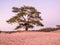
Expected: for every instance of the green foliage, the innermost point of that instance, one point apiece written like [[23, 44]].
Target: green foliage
[[26, 16]]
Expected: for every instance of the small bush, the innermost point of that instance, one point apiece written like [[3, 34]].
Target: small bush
[[58, 27], [49, 29]]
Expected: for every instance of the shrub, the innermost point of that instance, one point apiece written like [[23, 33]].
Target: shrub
[[58, 26], [49, 29]]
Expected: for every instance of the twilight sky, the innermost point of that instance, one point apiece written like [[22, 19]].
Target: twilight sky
[[50, 11]]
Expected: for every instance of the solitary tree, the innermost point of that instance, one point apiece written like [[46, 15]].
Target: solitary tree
[[26, 17]]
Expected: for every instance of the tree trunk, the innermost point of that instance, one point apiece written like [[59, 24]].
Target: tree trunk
[[26, 28]]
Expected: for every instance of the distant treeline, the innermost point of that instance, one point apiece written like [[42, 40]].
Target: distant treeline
[[47, 29]]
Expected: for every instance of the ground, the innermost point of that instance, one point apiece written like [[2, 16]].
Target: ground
[[30, 38]]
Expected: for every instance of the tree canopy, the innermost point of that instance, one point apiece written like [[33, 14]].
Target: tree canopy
[[26, 16]]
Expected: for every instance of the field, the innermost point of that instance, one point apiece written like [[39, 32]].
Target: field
[[30, 38]]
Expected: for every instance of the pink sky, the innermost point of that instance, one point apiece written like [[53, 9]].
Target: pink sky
[[50, 10]]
